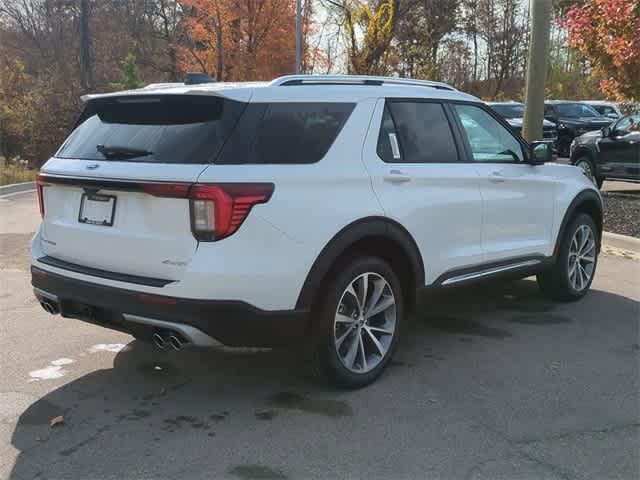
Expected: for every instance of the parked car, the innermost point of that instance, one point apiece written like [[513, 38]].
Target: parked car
[[613, 152], [609, 109], [513, 113], [572, 119], [311, 210]]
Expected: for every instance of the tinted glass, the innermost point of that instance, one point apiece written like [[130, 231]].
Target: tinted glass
[[277, 133], [388, 146], [626, 125], [162, 129], [423, 134], [604, 109], [489, 140], [576, 110], [509, 111]]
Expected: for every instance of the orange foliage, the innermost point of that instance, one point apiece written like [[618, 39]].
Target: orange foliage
[[234, 40]]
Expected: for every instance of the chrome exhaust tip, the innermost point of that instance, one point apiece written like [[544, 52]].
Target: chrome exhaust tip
[[175, 342], [49, 307], [159, 341]]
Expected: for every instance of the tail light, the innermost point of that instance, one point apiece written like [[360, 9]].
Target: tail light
[[217, 211], [40, 181]]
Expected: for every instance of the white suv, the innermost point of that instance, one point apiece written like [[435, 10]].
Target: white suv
[[310, 207]]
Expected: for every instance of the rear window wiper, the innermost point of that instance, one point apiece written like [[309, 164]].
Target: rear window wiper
[[113, 152]]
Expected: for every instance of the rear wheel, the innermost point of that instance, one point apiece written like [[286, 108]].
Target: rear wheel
[[575, 266], [357, 324]]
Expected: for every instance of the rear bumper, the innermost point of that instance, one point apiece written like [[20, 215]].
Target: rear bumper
[[203, 322]]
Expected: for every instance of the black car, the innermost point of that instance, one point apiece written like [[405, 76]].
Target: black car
[[573, 119], [513, 113], [613, 152]]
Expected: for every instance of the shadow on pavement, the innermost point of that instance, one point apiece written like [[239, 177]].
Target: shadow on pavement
[[152, 412]]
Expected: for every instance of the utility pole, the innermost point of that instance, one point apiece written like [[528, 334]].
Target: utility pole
[[298, 36], [86, 60], [537, 69]]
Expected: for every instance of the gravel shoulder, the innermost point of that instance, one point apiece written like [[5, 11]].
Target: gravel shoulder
[[622, 213]]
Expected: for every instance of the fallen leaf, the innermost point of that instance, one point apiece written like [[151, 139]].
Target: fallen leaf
[[56, 420]]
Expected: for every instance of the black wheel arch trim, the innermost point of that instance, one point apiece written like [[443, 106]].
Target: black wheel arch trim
[[583, 198], [362, 229]]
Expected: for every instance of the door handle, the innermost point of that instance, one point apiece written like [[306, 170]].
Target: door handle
[[396, 176], [496, 177]]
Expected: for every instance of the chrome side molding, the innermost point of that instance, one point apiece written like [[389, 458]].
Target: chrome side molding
[[490, 271]]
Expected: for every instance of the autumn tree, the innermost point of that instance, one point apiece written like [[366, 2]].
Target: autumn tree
[[129, 77], [239, 39], [607, 33], [368, 29]]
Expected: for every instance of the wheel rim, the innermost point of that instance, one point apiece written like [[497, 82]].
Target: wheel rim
[[365, 322], [582, 258], [586, 168]]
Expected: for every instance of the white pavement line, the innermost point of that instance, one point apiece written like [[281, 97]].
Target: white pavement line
[[109, 347], [623, 242]]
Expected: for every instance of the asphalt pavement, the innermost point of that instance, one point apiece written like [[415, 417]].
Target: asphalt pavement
[[491, 382]]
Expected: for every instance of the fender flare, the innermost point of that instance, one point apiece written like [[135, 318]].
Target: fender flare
[[365, 228], [586, 197]]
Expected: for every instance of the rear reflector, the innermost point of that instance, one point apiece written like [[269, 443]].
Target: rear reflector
[[157, 299], [40, 180]]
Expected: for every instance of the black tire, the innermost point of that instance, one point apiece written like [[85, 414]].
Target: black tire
[[586, 164], [563, 146], [326, 360], [555, 282]]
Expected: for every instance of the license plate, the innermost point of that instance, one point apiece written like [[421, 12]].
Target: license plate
[[97, 209]]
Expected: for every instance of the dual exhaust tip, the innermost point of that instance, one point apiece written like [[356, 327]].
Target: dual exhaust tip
[[164, 340], [50, 306]]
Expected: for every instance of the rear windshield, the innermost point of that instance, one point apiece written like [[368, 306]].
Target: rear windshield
[[160, 129], [285, 132]]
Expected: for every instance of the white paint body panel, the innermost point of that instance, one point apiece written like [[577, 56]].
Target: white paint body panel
[[455, 215]]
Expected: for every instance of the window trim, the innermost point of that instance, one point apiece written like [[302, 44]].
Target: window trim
[[460, 154], [465, 141]]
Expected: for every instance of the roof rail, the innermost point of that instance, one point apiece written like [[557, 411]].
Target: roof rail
[[289, 80]]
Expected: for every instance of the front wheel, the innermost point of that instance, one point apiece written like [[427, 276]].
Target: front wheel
[[587, 167], [357, 324], [571, 275]]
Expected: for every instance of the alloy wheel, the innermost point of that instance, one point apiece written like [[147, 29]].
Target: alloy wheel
[[582, 257], [365, 322], [587, 170]]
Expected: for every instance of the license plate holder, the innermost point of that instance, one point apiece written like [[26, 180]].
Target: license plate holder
[[97, 209]]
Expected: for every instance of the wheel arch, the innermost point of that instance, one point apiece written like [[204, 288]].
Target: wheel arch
[[589, 202], [379, 236], [591, 155]]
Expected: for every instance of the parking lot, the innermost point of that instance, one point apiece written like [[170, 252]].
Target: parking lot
[[490, 382]]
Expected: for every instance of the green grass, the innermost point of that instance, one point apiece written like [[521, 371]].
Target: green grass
[[14, 173]]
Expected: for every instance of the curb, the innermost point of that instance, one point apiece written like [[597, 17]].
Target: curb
[[623, 242], [17, 187]]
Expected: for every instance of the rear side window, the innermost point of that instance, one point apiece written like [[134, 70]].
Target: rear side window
[[416, 132], [156, 129], [285, 133]]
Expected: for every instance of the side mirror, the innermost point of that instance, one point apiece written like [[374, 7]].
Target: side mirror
[[540, 152], [606, 132]]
